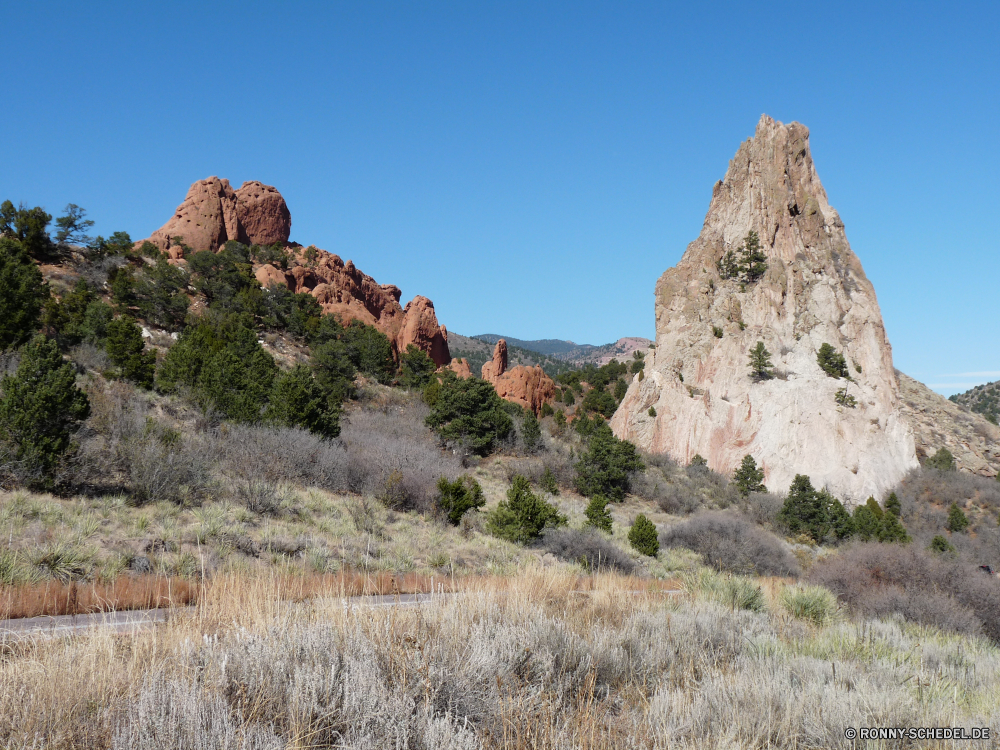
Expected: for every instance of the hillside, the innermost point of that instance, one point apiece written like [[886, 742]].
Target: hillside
[[983, 399], [478, 351]]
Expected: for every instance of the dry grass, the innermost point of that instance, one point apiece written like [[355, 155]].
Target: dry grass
[[527, 662], [74, 598]]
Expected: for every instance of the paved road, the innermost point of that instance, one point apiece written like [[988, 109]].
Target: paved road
[[140, 619]]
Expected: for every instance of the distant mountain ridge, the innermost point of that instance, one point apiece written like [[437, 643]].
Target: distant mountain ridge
[[577, 354]]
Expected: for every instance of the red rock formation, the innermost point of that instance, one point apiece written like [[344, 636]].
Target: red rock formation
[[460, 367], [262, 214], [528, 386], [213, 213], [498, 365]]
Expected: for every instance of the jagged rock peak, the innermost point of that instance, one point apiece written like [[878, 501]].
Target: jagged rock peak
[[813, 291]]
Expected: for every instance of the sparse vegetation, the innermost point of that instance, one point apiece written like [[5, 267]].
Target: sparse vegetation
[[761, 367]]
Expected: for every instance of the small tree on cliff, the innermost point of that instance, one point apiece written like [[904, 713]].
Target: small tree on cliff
[[760, 362], [753, 262]]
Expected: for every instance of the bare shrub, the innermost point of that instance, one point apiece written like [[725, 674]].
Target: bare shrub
[[87, 356], [588, 547], [729, 542], [877, 580], [671, 497], [173, 714], [392, 454], [762, 508]]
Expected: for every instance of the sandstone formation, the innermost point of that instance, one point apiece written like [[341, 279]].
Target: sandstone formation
[[497, 366], [460, 367], [213, 213], [814, 291], [528, 386], [938, 423]]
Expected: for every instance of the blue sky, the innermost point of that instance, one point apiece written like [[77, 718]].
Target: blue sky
[[532, 167]]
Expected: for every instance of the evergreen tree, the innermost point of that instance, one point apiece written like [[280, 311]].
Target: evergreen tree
[[470, 410], [892, 505], [126, 349], [22, 294], [760, 362], [73, 226], [748, 478], [531, 432], [458, 497], [598, 514], [831, 362], [804, 510], [841, 523], [40, 409], [297, 400], [728, 265], [941, 545], [892, 530], [957, 520], [28, 227], [642, 536], [941, 461], [549, 483], [868, 521], [753, 262], [605, 468], [523, 516], [416, 368]]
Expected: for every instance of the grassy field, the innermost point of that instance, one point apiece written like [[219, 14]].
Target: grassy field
[[518, 662]]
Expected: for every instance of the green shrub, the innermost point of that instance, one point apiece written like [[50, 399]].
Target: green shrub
[[600, 401], [464, 494], [717, 332], [652, 411], [813, 604], [605, 468], [22, 294], [957, 520], [621, 388], [548, 482], [843, 398], [568, 398], [523, 515], [416, 368], [531, 432], [547, 410], [942, 461], [470, 410], [733, 591], [40, 409], [815, 513], [298, 400], [748, 478], [126, 349], [760, 362], [831, 362], [598, 514], [871, 523], [642, 536], [892, 505], [941, 545]]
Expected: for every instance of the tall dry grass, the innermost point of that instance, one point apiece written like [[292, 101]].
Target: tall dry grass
[[529, 662]]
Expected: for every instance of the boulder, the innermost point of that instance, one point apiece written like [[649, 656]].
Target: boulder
[[267, 275], [460, 367], [262, 214], [814, 291]]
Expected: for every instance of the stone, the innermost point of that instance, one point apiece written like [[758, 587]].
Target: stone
[[420, 327], [938, 423], [814, 291], [497, 366], [267, 275], [460, 367], [262, 214], [213, 213], [527, 386]]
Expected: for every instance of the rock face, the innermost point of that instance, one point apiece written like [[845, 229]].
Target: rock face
[[528, 386], [460, 367], [213, 213], [814, 291], [939, 423]]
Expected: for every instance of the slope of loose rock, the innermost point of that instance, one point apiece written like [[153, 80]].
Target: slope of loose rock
[[813, 292], [939, 423]]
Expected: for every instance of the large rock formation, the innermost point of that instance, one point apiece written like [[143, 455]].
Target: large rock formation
[[528, 386], [814, 291], [213, 213]]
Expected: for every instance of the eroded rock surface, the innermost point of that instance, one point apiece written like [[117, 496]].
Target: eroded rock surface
[[497, 366], [814, 291], [528, 386]]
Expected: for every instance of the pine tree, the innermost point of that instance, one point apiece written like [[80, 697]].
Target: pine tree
[[22, 294], [642, 536], [892, 505], [598, 514], [126, 349], [297, 400], [523, 515], [957, 520], [748, 478], [943, 460], [760, 362], [40, 410], [841, 523], [753, 262], [804, 511], [831, 362], [728, 265], [456, 498]]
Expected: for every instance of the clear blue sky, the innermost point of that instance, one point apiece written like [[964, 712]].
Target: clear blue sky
[[532, 167]]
